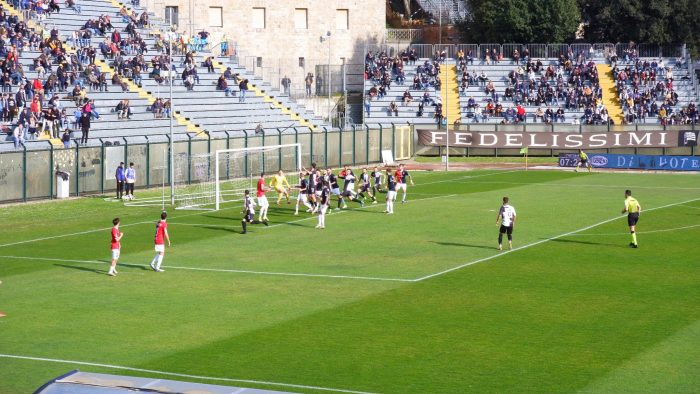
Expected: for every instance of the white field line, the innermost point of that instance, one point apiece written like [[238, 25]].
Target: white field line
[[252, 272], [690, 206], [543, 241], [666, 230], [180, 375], [213, 269]]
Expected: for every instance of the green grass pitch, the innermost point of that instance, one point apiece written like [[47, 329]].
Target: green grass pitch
[[417, 302]]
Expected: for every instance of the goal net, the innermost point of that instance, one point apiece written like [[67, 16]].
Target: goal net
[[207, 181]]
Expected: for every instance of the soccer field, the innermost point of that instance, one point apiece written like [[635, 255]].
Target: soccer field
[[416, 302]]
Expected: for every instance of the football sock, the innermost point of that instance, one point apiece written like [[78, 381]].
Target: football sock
[[634, 237], [244, 224], [340, 201], [510, 237], [155, 259], [500, 239], [160, 261]]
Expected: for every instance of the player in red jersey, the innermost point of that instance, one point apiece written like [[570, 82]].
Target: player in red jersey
[[262, 199], [116, 247], [161, 236]]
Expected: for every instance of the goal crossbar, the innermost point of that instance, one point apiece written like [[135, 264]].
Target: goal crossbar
[[255, 149]]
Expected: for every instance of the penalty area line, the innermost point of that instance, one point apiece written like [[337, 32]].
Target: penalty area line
[[485, 259], [180, 375]]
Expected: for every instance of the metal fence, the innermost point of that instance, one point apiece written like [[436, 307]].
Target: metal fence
[[31, 174], [535, 50]]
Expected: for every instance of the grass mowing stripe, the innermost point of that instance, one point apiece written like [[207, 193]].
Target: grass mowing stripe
[[215, 269], [665, 230], [94, 230], [579, 185], [544, 240], [299, 386]]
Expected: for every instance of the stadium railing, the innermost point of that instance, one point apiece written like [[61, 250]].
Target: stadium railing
[[29, 173]]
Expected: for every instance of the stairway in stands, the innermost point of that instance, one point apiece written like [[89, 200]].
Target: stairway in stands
[[449, 91], [610, 95]]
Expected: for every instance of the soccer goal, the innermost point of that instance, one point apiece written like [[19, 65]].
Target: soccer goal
[[207, 181]]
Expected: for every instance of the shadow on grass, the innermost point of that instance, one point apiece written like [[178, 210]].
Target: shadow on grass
[[571, 241], [463, 245], [86, 269]]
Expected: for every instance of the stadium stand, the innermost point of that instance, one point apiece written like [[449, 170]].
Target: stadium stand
[[575, 88], [109, 51]]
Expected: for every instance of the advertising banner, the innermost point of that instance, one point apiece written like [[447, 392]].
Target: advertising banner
[[544, 140], [644, 162]]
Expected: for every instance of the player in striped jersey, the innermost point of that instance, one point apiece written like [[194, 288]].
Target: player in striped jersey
[[302, 197], [376, 175], [506, 215], [324, 202], [249, 212], [365, 186], [348, 187], [401, 176]]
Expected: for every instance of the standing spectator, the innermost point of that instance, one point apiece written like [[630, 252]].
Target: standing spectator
[[243, 87], [286, 82], [368, 104], [309, 81], [130, 176], [85, 127], [120, 177]]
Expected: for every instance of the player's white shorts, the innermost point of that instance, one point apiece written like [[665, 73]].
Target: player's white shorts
[[391, 195], [401, 186], [262, 202], [160, 248], [115, 254], [335, 191], [318, 193], [303, 197]]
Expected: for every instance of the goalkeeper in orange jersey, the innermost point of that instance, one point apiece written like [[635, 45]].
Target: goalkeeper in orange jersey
[[281, 186]]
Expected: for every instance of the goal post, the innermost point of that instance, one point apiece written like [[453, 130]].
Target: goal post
[[234, 165]]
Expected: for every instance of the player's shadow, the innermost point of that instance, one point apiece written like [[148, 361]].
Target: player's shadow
[[229, 229], [462, 245], [573, 241], [86, 269]]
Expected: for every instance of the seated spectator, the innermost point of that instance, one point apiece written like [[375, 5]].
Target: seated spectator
[[209, 64], [393, 108], [539, 114], [157, 108], [407, 98], [420, 110], [222, 84], [123, 110]]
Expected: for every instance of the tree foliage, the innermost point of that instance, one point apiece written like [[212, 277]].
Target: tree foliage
[[524, 21], [660, 22]]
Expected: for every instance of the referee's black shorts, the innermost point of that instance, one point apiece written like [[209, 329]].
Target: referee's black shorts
[[632, 218], [507, 229]]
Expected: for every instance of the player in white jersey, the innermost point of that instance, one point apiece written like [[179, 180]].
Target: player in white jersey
[[390, 192], [506, 216], [323, 201], [348, 188]]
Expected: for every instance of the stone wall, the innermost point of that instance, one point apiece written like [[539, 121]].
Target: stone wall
[[281, 43]]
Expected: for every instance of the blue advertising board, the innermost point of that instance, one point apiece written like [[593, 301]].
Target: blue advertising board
[[644, 162]]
